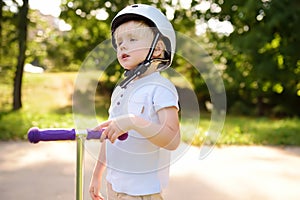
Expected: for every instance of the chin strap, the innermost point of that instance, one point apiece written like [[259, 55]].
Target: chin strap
[[142, 67]]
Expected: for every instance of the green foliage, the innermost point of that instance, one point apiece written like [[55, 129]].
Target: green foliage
[[49, 106], [259, 60], [241, 130], [14, 125], [8, 39], [46, 105], [6, 91], [260, 54], [263, 131]]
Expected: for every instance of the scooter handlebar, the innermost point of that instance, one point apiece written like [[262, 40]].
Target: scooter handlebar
[[36, 135]]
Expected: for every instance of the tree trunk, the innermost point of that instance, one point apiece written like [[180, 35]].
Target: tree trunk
[[260, 106], [22, 37], [1, 38]]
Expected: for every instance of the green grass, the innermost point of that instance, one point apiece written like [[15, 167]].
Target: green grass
[[264, 131], [47, 103], [242, 130]]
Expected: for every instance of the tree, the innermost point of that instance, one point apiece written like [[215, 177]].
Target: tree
[[262, 64], [8, 24], [1, 19], [22, 38]]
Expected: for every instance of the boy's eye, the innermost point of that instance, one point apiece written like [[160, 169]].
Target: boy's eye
[[119, 43], [132, 39]]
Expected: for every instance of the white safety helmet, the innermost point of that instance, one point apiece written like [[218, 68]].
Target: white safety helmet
[[152, 17]]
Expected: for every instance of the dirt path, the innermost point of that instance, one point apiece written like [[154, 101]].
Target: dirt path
[[46, 171]]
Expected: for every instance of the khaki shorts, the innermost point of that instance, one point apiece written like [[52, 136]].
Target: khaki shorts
[[112, 195]]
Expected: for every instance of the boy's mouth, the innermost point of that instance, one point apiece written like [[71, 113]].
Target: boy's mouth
[[124, 55]]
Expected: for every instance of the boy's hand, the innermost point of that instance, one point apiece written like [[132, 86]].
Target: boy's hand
[[95, 191], [115, 127]]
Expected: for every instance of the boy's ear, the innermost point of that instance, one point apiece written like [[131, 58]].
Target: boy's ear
[[159, 49]]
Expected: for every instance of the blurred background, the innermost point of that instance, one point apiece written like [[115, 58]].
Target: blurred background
[[253, 44]]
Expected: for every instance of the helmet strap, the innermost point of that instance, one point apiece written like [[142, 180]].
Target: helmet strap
[[143, 66]]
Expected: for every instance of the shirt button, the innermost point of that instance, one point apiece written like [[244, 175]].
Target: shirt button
[[121, 95], [118, 103]]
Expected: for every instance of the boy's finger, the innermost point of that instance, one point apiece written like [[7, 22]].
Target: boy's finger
[[95, 195], [114, 137], [103, 136], [102, 125]]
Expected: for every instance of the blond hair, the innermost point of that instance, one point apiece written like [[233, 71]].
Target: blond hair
[[143, 30]]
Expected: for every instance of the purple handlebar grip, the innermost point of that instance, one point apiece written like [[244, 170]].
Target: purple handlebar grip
[[97, 134], [123, 137], [36, 135], [91, 134]]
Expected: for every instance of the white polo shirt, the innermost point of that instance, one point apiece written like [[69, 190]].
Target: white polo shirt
[[136, 166]]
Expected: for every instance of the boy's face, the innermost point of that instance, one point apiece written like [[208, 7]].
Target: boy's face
[[133, 41]]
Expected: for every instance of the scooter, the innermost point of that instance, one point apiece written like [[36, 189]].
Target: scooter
[[36, 135]]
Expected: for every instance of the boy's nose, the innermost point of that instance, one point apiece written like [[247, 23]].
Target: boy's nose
[[123, 46]]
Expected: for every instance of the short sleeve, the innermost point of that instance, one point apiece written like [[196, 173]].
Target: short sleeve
[[165, 96]]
